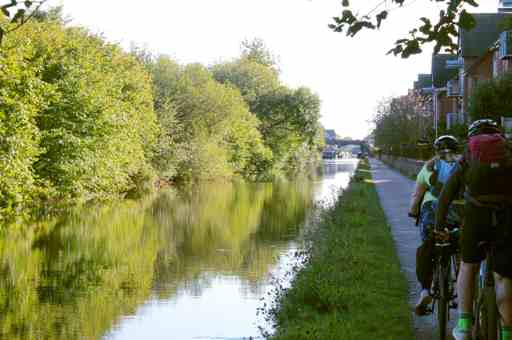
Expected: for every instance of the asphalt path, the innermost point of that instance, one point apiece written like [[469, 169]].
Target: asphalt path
[[395, 191]]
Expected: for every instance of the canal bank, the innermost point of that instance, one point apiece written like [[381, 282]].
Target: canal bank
[[351, 286]]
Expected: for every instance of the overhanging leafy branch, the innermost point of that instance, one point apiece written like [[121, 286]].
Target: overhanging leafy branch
[[441, 33], [15, 12]]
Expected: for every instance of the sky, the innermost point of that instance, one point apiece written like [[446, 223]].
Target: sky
[[350, 75]]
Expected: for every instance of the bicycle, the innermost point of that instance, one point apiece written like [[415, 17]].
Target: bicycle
[[446, 269], [487, 321]]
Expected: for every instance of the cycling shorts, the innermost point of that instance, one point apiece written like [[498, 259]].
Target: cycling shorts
[[427, 219], [428, 216], [478, 228]]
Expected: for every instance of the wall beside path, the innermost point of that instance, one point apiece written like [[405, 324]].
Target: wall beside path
[[407, 166]]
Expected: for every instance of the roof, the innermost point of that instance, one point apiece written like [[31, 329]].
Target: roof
[[424, 81], [440, 74], [475, 42]]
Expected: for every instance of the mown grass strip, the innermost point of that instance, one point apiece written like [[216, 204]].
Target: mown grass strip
[[351, 286]]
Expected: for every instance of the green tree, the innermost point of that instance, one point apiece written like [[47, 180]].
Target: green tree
[[400, 123], [289, 118], [256, 50], [170, 148], [253, 79], [213, 116], [442, 32], [22, 94], [491, 99], [207, 129], [98, 131], [76, 118]]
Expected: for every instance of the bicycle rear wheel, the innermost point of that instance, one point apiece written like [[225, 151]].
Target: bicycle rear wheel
[[487, 315], [444, 301]]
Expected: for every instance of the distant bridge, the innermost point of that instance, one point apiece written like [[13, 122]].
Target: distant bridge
[[344, 142], [340, 148]]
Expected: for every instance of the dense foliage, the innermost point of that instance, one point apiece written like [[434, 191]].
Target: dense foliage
[[77, 118], [15, 13], [404, 126], [81, 120], [289, 117], [402, 122], [212, 132], [492, 99]]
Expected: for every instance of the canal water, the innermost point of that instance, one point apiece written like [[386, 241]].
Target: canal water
[[179, 265]]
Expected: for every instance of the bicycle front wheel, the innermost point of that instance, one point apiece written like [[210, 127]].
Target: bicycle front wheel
[[444, 301]]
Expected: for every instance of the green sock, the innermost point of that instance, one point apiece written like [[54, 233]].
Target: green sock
[[506, 333], [465, 321]]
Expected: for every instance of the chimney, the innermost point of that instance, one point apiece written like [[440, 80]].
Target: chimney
[[505, 6]]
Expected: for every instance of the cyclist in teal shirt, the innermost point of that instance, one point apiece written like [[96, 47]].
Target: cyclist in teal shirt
[[429, 183]]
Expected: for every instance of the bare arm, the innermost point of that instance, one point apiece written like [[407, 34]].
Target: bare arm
[[420, 189], [417, 198]]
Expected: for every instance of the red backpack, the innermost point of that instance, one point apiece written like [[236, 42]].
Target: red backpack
[[489, 168]]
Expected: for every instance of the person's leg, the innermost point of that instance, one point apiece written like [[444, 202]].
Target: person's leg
[[466, 285], [424, 273], [504, 302], [472, 234], [424, 264], [502, 268], [424, 258]]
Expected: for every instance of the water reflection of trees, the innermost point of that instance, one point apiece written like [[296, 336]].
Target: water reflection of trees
[[73, 277], [227, 229]]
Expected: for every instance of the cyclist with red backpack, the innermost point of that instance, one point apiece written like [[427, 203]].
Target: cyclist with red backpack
[[429, 183], [484, 173]]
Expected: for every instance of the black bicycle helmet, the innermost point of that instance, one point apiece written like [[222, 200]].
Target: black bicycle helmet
[[446, 142], [483, 126]]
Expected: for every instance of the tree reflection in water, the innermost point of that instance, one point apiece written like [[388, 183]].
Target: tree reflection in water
[[73, 277]]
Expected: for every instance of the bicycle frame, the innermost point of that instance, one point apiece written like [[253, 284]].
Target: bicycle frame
[[485, 276], [446, 267]]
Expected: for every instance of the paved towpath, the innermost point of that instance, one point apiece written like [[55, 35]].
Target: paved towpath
[[394, 192]]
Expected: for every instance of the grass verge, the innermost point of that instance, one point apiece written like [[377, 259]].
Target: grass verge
[[351, 286]]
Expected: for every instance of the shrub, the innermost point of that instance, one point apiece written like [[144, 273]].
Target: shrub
[[76, 118], [22, 95], [97, 131], [492, 99]]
